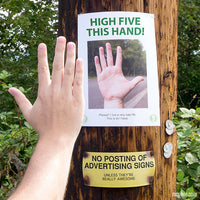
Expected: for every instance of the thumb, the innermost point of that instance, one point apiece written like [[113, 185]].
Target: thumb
[[23, 103], [135, 81]]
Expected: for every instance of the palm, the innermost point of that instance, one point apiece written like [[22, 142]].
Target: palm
[[112, 83]]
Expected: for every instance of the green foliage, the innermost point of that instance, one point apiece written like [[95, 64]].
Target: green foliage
[[24, 24], [187, 123], [189, 53], [133, 56], [17, 141]]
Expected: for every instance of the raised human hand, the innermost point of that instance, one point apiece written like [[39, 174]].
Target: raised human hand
[[57, 116], [111, 80], [58, 110]]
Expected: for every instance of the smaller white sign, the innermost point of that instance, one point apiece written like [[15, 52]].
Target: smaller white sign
[[121, 78]]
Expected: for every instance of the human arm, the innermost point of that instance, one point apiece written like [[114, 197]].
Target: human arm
[[57, 116], [111, 80]]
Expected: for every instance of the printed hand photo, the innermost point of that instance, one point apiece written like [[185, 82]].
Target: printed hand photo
[[119, 79], [112, 83]]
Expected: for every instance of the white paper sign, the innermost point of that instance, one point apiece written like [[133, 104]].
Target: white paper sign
[[120, 69]]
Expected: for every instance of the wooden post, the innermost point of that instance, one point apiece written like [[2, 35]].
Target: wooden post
[[130, 139]]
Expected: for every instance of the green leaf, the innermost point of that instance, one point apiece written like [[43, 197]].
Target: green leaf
[[190, 158], [190, 190], [184, 180], [183, 124], [187, 132], [193, 144], [180, 175], [4, 74], [183, 194], [193, 170], [22, 89], [191, 193], [178, 187], [10, 186], [187, 113], [28, 125], [5, 184]]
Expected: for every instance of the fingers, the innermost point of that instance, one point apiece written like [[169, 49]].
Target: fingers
[[97, 65], [69, 66], [109, 62], [102, 58], [119, 57], [103, 62], [109, 54], [23, 103], [135, 81], [43, 68], [58, 63], [78, 80]]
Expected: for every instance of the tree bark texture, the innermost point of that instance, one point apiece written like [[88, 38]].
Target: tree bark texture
[[130, 139]]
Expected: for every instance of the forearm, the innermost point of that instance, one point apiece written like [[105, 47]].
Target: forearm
[[47, 172]]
